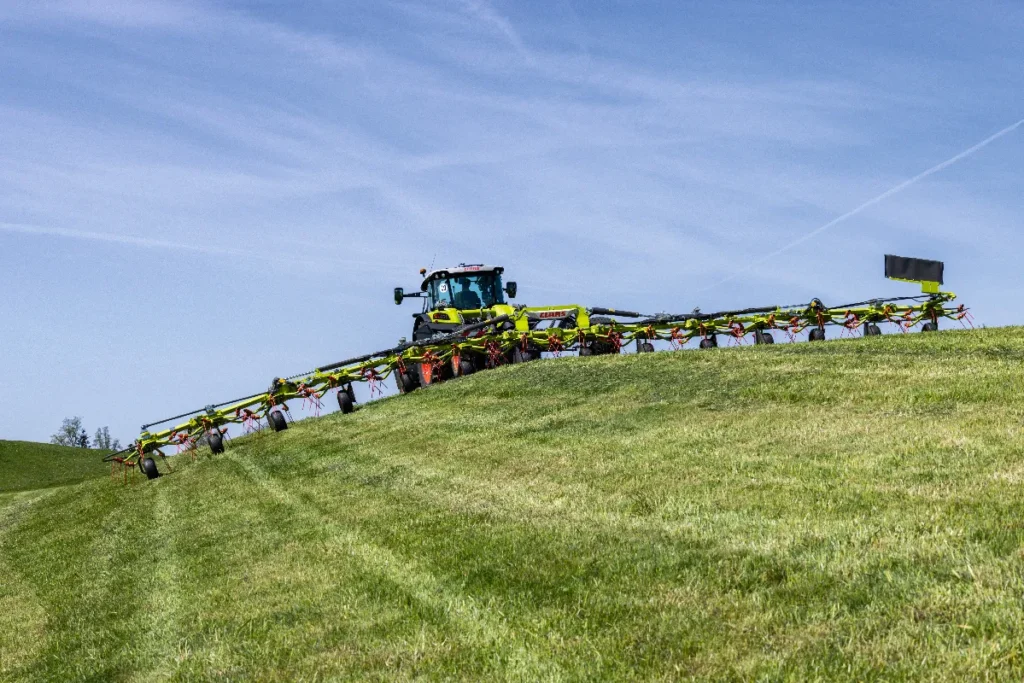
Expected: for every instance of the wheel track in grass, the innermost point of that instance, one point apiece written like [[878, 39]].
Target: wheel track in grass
[[406, 574], [20, 640], [163, 600]]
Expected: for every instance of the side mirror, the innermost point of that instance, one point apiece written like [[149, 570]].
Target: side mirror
[[510, 289], [399, 295]]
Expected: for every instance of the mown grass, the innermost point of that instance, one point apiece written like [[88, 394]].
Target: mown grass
[[842, 511], [25, 465]]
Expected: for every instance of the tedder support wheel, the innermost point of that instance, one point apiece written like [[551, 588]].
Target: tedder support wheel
[[817, 334], [345, 402], [216, 443], [586, 350], [148, 467], [872, 330], [929, 327], [709, 342], [277, 421], [645, 347], [762, 337]]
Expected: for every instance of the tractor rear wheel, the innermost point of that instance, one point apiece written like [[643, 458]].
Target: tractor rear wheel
[[520, 356], [216, 442], [345, 402], [148, 467], [277, 421], [463, 367]]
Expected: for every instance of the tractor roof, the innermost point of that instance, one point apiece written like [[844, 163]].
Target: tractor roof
[[461, 269]]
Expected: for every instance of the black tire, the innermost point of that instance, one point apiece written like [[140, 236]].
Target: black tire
[[350, 391], [872, 330], [603, 349], [406, 381], [520, 356], [645, 347], [277, 421], [817, 334], [345, 402], [763, 337], [586, 350], [929, 327], [148, 467], [216, 442], [464, 367], [709, 342]]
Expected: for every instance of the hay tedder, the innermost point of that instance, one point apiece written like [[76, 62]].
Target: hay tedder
[[466, 326]]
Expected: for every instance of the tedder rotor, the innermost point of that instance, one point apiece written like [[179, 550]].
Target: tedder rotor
[[466, 325]]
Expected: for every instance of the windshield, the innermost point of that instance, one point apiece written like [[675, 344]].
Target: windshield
[[467, 292]]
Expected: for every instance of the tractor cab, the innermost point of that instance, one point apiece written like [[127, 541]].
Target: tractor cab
[[456, 296], [466, 287]]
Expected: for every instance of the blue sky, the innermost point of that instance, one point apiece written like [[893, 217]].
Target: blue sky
[[196, 197]]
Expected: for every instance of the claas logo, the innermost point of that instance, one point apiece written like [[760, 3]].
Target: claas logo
[[553, 314]]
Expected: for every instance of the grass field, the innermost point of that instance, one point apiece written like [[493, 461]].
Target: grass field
[[850, 510], [26, 466]]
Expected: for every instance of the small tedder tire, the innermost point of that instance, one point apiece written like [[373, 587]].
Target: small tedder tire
[[586, 351], [929, 327], [277, 421], [216, 443], [872, 330], [762, 337], [645, 347], [817, 334], [708, 343], [345, 402], [148, 467]]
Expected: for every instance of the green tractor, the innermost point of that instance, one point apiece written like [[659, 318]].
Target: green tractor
[[471, 293]]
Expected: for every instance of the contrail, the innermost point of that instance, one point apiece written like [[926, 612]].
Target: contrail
[[196, 248], [871, 202]]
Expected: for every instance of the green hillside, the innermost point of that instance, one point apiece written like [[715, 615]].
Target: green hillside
[[26, 465], [848, 510]]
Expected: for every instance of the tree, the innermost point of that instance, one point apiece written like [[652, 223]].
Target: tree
[[102, 440], [71, 433]]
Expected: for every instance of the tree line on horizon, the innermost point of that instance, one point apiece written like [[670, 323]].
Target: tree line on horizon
[[73, 433]]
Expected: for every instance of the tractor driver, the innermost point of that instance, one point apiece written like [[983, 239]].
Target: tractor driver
[[466, 299]]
